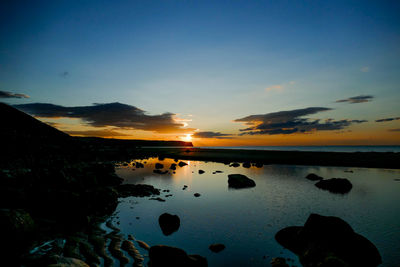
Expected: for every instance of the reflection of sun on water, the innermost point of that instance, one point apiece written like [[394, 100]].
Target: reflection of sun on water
[[187, 138]]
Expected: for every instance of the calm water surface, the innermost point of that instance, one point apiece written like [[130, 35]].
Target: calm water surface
[[246, 220]]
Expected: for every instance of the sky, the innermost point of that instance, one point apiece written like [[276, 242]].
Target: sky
[[218, 73]]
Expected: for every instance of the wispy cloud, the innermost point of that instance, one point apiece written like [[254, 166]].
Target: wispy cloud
[[279, 87], [291, 121], [388, 119], [364, 69], [217, 135], [356, 99], [110, 114], [4, 94]]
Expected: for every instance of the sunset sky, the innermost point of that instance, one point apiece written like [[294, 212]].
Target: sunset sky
[[219, 73]]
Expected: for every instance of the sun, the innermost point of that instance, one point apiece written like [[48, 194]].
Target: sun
[[187, 138]]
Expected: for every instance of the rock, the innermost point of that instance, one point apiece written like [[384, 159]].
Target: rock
[[161, 255], [184, 187], [160, 172], [314, 177], [246, 165], [240, 181], [130, 248], [173, 166], [259, 165], [234, 164], [181, 164], [197, 194], [217, 172], [136, 190], [159, 166], [216, 247], [130, 237], [169, 223], [328, 241], [201, 171], [115, 249], [279, 262], [335, 185], [139, 165], [143, 245]]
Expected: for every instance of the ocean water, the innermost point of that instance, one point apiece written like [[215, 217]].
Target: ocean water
[[246, 220], [315, 148]]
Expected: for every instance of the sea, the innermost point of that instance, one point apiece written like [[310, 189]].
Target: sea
[[312, 148]]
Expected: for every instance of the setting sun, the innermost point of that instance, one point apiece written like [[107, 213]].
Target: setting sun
[[187, 138]]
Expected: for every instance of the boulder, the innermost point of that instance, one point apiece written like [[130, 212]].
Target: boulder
[[161, 255], [139, 165], [201, 171], [169, 223], [216, 247], [173, 166], [314, 177], [234, 164], [240, 181], [335, 185], [328, 241], [197, 194], [159, 166]]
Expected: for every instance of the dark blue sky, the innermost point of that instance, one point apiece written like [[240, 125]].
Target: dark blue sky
[[187, 56]]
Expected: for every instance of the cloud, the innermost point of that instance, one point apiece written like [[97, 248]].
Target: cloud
[[217, 135], [97, 133], [4, 94], [291, 121], [388, 119], [276, 87], [394, 130], [364, 69], [110, 114], [357, 99]]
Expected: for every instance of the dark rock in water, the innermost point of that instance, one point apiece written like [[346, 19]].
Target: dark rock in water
[[328, 241], [397, 180], [216, 247], [279, 262], [143, 245], [159, 166], [240, 181], [201, 171], [181, 164], [197, 194], [158, 199], [136, 190], [139, 165], [173, 166], [234, 164], [335, 185], [160, 255], [169, 223], [259, 165], [246, 165], [350, 171], [314, 177], [217, 172], [160, 172], [184, 187]]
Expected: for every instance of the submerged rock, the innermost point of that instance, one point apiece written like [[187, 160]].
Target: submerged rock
[[136, 190], [169, 223], [314, 177], [161, 255], [328, 241], [240, 181], [181, 164], [335, 185], [216, 247], [160, 172]]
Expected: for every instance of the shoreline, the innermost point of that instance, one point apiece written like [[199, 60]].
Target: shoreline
[[386, 160]]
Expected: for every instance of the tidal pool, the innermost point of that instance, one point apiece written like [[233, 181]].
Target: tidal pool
[[246, 220]]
